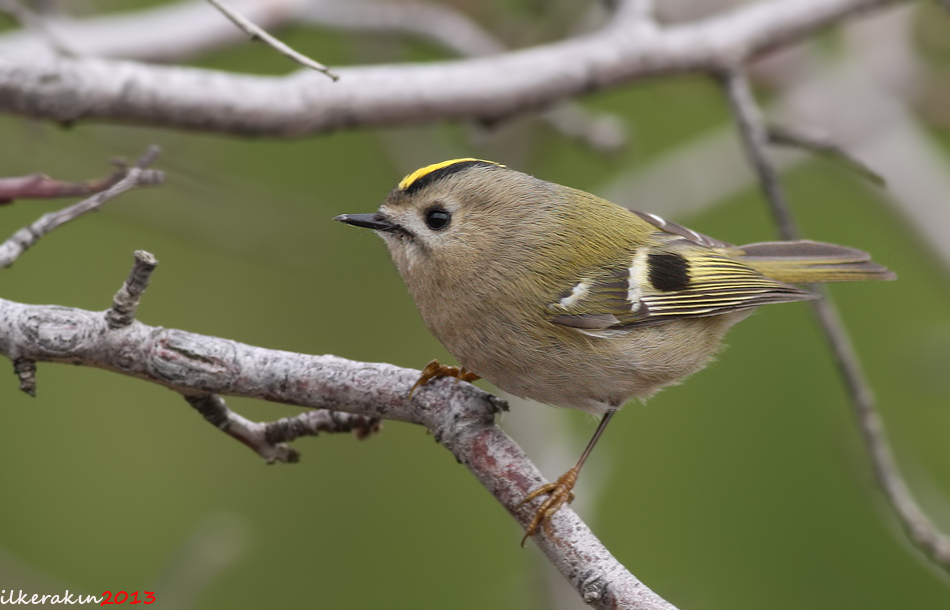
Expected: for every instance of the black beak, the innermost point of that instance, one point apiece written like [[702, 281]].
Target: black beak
[[376, 221]]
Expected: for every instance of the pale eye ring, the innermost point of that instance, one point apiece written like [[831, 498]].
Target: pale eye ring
[[437, 218]]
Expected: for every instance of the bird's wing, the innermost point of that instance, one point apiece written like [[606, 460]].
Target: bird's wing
[[681, 231], [679, 279]]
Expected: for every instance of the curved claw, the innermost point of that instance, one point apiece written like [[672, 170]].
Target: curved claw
[[559, 494], [435, 369]]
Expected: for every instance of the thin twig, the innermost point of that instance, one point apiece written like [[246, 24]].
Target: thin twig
[[460, 416], [755, 140], [451, 29], [783, 136], [481, 89], [269, 439], [41, 186], [213, 408], [255, 32], [314, 422], [126, 300], [919, 527], [18, 243]]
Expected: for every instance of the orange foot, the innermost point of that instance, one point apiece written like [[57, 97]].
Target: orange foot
[[434, 369], [559, 494]]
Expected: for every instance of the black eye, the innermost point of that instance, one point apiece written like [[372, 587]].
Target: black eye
[[437, 218]]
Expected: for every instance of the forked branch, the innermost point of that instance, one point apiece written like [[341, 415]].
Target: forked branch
[[484, 89], [203, 368], [345, 396], [137, 176]]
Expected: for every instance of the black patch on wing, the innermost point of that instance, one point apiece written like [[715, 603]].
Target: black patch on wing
[[669, 271], [442, 172]]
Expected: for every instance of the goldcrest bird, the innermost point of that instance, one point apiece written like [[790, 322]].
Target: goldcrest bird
[[557, 295]]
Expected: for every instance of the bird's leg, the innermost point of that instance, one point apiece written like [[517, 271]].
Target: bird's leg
[[435, 369], [561, 492]]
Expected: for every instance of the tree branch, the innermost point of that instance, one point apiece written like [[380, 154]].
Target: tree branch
[[447, 27], [183, 30], [755, 140], [269, 439], [918, 526], [199, 367], [782, 136], [40, 186], [126, 301], [441, 24], [486, 89], [203, 368], [257, 33], [347, 396], [145, 35], [17, 244], [266, 439]]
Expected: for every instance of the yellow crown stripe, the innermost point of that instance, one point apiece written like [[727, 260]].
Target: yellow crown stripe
[[406, 182]]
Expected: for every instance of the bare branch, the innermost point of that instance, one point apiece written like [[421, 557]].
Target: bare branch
[[40, 186], [164, 33], [203, 368], [755, 140], [126, 301], [825, 147], [921, 530], [882, 131], [452, 30], [156, 35], [17, 244], [441, 24], [214, 409], [919, 527], [269, 439], [257, 33], [312, 423], [183, 30], [460, 416], [487, 89], [148, 157]]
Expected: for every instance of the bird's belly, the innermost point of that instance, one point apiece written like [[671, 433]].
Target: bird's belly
[[592, 373]]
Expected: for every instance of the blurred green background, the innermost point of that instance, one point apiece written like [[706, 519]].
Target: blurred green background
[[745, 488]]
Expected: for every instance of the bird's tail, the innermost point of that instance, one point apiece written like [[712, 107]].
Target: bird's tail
[[805, 262]]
